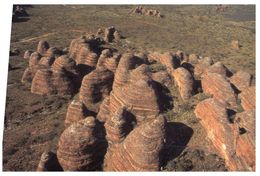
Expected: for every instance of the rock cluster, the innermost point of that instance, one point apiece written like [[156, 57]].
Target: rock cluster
[[109, 34], [235, 45], [147, 12]]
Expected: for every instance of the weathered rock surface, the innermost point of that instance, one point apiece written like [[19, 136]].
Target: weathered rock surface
[[214, 118], [193, 58], [162, 77], [34, 59], [80, 147], [246, 140], [46, 61], [144, 153], [184, 81], [217, 85], [96, 86], [241, 80], [104, 111], [219, 68], [248, 98]]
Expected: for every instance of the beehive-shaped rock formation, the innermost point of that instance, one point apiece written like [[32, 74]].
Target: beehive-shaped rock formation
[[141, 149], [48, 82], [27, 76], [193, 58], [185, 82], [42, 82], [42, 47], [161, 77], [81, 50], [214, 118], [80, 148], [142, 104], [241, 80], [96, 85], [217, 85], [76, 112], [235, 45], [248, 98], [64, 62]]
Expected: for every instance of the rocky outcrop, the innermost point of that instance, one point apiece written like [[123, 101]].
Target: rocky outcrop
[[246, 140], [202, 66], [235, 45], [214, 118], [241, 80], [146, 12], [219, 68], [185, 82], [27, 76], [96, 86], [42, 47], [248, 98], [216, 85], [75, 112], [162, 77], [80, 148], [144, 153]]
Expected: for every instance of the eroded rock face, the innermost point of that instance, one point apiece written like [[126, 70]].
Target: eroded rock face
[[143, 154], [27, 76], [193, 59], [46, 61], [214, 118], [76, 112], [247, 97], [217, 85], [96, 86], [185, 82], [246, 140], [42, 47], [80, 148], [161, 77], [241, 80]]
